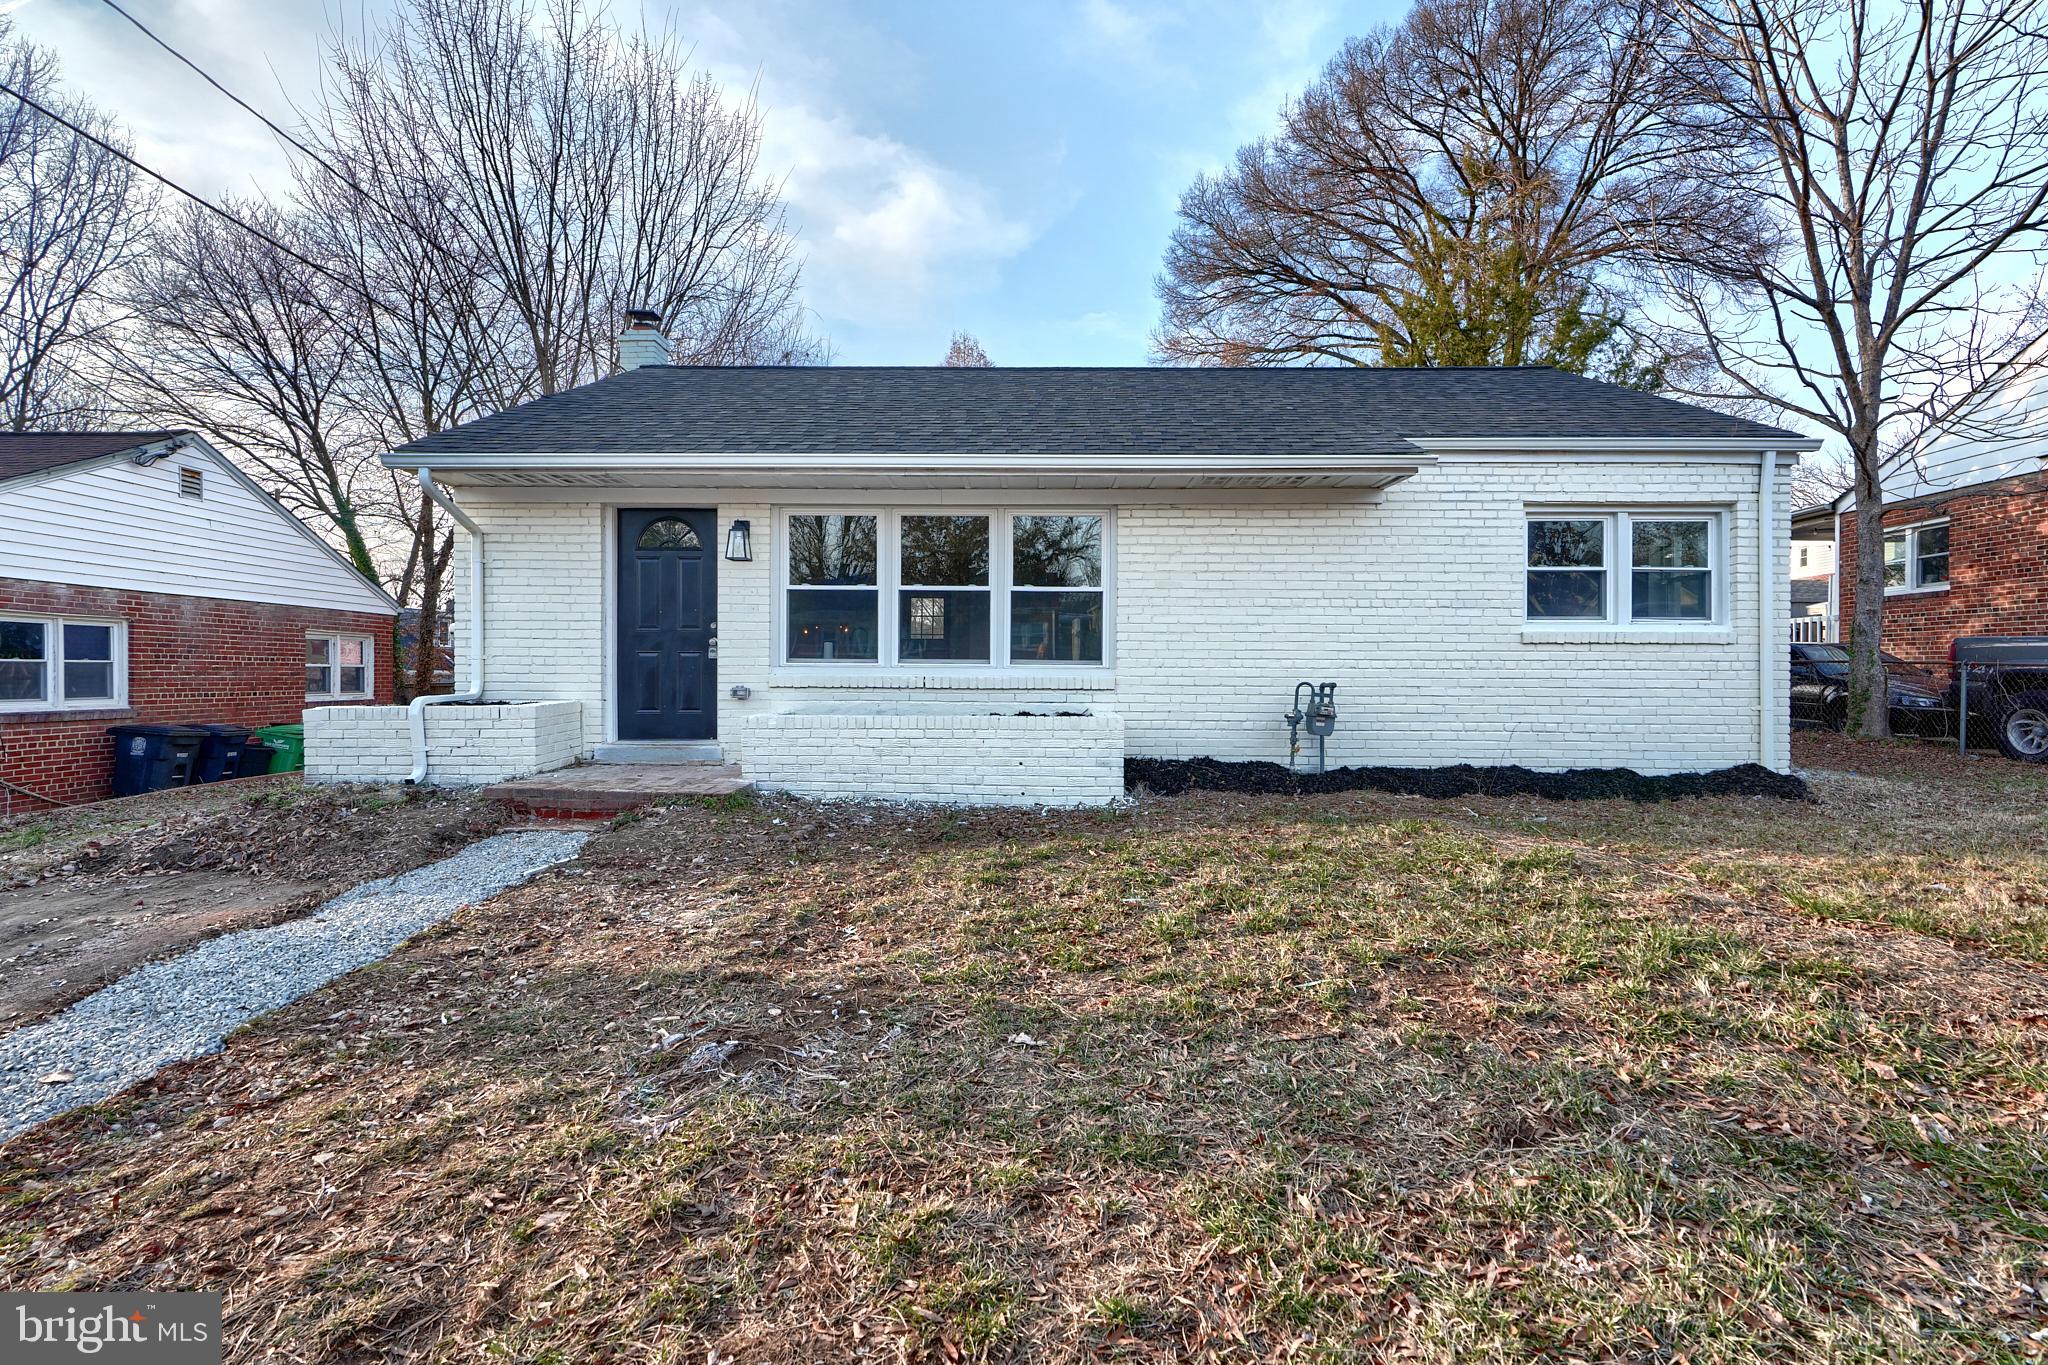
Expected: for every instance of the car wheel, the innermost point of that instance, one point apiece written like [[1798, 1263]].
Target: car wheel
[[1835, 715], [2023, 728]]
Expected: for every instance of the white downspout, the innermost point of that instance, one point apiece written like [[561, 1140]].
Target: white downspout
[[1770, 647], [416, 714]]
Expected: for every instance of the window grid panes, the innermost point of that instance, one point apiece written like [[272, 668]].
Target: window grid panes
[[985, 588], [1642, 567], [53, 662], [943, 572], [338, 667], [24, 661], [832, 598], [1672, 569], [1056, 596], [1916, 557], [1567, 569]]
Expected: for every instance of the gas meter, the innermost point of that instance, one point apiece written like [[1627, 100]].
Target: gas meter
[[1315, 711]]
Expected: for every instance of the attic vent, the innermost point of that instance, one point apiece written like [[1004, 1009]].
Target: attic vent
[[191, 484]]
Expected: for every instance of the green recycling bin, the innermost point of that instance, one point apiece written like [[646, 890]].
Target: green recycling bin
[[289, 745]]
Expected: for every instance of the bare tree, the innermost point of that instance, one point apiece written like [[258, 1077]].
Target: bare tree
[[1889, 285], [584, 172], [966, 354], [234, 336], [1452, 190], [72, 217], [1822, 477], [430, 341]]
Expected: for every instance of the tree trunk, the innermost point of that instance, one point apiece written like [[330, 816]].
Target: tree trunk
[[433, 573], [1870, 712]]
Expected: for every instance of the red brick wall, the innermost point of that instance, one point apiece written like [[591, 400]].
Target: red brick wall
[[1998, 570], [189, 659]]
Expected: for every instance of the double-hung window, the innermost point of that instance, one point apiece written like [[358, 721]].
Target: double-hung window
[[1056, 589], [49, 663], [947, 588], [832, 594], [1916, 558], [1638, 568], [942, 566], [338, 667]]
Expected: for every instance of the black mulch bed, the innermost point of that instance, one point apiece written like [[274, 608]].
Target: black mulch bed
[[1172, 776]]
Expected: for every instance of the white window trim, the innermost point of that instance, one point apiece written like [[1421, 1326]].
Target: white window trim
[[1911, 532], [53, 663], [334, 639], [1616, 615], [888, 666]]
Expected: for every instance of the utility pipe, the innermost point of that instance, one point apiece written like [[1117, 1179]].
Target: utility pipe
[[416, 713], [1770, 647]]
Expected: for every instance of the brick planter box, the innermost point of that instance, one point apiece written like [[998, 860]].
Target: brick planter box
[[467, 746], [957, 755]]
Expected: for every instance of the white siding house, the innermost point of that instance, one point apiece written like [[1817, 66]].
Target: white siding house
[[1600, 584]]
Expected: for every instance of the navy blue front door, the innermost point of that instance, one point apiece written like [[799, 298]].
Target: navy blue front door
[[668, 624]]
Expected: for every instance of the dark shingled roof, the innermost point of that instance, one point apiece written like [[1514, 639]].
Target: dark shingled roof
[[32, 452], [665, 409]]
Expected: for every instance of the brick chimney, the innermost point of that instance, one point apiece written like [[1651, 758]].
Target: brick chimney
[[642, 342]]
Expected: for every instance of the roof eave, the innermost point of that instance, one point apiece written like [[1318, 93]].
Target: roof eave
[[1614, 445], [716, 462]]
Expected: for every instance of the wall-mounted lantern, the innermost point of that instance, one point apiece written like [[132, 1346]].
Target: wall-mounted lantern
[[739, 542]]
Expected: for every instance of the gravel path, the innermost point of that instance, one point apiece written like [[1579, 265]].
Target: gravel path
[[183, 1007]]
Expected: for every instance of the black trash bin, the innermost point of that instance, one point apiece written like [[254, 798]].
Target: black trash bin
[[220, 756], [256, 756], [149, 758]]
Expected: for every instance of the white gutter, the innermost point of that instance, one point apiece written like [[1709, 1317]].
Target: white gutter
[[1770, 648], [416, 714]]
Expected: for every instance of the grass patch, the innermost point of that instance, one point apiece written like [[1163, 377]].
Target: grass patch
[[1219, 1078]]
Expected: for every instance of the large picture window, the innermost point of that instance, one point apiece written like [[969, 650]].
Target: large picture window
[[1646, 568], [992, 587], [49, 663]]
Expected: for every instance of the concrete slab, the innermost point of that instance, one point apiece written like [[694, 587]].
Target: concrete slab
[[593, 791]]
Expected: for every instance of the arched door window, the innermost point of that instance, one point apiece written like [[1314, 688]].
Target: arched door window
[[669, 533]]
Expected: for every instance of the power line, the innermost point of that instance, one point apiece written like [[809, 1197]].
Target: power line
[[175, 187], [243, 104]]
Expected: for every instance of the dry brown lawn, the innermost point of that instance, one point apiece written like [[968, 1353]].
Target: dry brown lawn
[[1211, 1078]]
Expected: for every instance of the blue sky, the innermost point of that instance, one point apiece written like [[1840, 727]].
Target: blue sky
[[1010, 169]]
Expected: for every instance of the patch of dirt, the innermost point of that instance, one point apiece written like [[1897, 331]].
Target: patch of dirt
[[60, 943], [87, 895], [1920, 759], [1172, 776]]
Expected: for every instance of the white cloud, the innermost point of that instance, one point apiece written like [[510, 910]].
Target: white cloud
[[887, 231]]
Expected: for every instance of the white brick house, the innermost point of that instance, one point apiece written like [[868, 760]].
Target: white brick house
[[1494, 566]]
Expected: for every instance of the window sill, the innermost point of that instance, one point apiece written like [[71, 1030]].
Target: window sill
[[105, 712], [1916, 592], [339, 701], [1627, 635], [964, 679]]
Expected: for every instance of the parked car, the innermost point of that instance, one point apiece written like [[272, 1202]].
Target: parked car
[[2008, 691], [1920, 705]]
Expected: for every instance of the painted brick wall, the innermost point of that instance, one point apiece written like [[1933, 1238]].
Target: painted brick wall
[[466, 745], [189, 659], [1998, 570], [967, 757], [1412, 606]]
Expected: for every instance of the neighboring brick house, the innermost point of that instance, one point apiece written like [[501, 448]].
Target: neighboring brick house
[[144, 578], [1966, 539], [994, 584]]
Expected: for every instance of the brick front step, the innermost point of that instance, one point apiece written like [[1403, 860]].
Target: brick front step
[[598, 791]]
